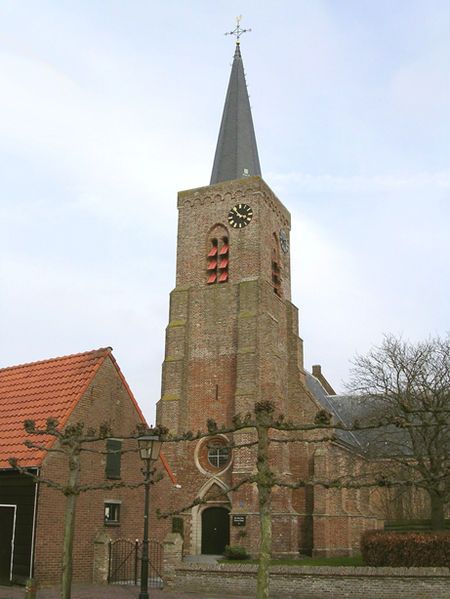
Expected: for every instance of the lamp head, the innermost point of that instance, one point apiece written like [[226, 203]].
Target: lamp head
[[149, 446]]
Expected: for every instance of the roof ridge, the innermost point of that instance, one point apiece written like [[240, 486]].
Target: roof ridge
[[319, 382], [100, 352], [127, 387], [103, 353], [330, 406]]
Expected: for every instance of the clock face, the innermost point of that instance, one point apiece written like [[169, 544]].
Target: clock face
[[240, 216], [284, 242]]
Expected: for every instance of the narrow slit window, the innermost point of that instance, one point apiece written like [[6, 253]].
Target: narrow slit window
[[276, 267]]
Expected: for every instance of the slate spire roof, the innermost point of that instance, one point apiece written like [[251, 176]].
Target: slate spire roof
[[236, 152]]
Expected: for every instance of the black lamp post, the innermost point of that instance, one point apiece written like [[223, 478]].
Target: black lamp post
[[149, 446]]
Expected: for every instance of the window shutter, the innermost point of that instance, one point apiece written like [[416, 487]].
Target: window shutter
[[113, 458], [217, 261], [178, 525]]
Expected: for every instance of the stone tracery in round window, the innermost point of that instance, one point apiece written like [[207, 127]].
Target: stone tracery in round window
[[218, 455], [213, 454]]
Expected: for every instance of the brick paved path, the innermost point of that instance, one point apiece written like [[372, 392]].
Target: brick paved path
[[110, 592]]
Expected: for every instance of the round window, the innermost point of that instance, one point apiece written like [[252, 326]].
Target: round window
[[213, 454], [218, 455]]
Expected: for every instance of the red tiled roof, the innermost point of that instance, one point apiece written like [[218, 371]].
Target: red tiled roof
[[39, 390]]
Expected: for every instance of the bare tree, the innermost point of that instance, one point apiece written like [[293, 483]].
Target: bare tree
[[71, 441], [409, 386]]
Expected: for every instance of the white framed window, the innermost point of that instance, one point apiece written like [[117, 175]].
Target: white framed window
[[112, 512]]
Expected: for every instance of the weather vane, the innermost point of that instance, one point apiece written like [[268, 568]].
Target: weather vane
[[238, 31]]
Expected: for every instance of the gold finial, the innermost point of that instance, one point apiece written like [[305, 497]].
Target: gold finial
[[238, 31]]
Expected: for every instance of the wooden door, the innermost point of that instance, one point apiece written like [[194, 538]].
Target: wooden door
[[215, 530], [7, 520]]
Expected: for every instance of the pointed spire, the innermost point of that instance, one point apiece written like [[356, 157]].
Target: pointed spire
[[236, 152]]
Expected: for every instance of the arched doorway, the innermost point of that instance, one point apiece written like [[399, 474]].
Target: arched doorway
[[215, 530]]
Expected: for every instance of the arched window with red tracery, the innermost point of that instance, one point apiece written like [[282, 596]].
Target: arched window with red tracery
[[218, 256]]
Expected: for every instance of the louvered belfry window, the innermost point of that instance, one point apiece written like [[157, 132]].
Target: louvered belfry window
[[217, 260], [212, 261]]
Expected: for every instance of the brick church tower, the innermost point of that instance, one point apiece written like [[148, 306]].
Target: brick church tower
[[232, 340]]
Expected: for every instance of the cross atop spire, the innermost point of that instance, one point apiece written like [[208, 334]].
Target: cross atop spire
[[236, 152], [238, 31]]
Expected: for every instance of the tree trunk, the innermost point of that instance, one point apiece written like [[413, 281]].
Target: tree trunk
[[437, 512], [264, 483], [69, 527]]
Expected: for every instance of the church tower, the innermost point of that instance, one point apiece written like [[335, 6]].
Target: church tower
[[232, 340]]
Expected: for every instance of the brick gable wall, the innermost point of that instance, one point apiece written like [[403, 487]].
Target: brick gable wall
[[106, 399]]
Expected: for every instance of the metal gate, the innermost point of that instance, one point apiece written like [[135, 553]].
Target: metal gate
[[125, 560]]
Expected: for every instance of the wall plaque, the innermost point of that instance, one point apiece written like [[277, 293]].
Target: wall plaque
[[238, 520]]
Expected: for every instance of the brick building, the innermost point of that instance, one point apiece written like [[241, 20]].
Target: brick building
[[232, 340], [90, 388]]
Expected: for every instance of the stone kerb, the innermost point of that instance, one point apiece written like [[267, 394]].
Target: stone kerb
[[318, 582]]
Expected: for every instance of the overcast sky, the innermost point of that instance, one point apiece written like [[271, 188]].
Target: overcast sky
[[108, 108]]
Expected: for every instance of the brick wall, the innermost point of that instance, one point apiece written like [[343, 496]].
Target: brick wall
[[318, 583], [229, 346], [340, 516], [106, 399], [201, 209]]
